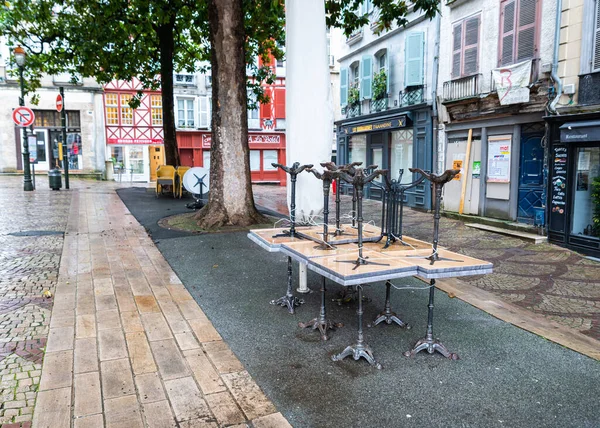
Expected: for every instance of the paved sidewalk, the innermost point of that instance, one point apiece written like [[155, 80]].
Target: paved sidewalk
[[127, 346], [549, 290]]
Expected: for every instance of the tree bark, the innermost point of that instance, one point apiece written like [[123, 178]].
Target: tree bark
[[230, 200], [167, 48]]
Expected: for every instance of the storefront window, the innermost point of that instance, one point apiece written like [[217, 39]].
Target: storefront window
[[74, 148], [254, 160], [117, 157], [136, 160], [357, 149], [586, 204], [401, 154], [269, 157], [206, 159]]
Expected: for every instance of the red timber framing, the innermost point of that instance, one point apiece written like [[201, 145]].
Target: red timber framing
[[126, 126]]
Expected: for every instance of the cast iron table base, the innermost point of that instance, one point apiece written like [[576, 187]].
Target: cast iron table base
[[349, 295], [321, 322], [359, 349], [428, 343], [288, 301], [387, 315]]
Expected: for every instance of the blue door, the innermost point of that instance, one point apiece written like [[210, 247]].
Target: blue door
[[531, 176]]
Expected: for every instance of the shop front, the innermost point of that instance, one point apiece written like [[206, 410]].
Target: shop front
[[395, 141], [135, 159], [574, 182], [265, 148]]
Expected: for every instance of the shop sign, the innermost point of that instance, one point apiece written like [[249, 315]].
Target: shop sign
[[512, 83], [398, 122], [499, 149], [575, 132], [252, 138], [134, 141], [559, 181]]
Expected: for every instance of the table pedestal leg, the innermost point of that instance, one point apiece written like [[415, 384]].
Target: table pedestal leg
[[387, 315], [360, 349], [428, 343], [289, 300], [321, 322]]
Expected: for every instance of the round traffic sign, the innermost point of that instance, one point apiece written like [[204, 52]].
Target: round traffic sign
[[59, 103], [23, 116]]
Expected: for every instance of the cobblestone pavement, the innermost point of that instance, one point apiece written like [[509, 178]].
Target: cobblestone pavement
[[28, 266], [548, 280]]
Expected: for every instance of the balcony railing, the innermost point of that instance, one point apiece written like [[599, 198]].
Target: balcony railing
[[351, 111], [462, 88], [378, 105], [412, 95]]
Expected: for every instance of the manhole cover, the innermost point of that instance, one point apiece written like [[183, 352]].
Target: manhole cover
[[37, 233]]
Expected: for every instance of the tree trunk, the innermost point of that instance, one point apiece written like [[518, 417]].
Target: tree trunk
[[230, 200], [167, 47]]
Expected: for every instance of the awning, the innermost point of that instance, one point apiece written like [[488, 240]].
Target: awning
[[584, 131]]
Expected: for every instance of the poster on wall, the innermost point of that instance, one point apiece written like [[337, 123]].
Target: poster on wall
[[499, 149], [512, 83]]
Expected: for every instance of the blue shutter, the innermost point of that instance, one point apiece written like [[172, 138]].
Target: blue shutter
[[413, 58], [364, 8], [366, 75], [344, 86]]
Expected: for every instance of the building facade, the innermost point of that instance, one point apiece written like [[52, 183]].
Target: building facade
[[386, 85], [494, 89], [85, 122], [266, 125], [574, 132]]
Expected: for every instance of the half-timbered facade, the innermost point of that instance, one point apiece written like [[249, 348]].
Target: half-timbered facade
[[134, 137]]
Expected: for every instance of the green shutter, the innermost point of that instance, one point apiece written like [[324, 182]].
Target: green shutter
[[344, 86], [413, 54], [366, 75]]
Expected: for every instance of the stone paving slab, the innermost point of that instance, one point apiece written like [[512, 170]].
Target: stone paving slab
[[125, 343]]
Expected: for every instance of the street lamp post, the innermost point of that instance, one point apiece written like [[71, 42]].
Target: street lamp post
[[20, 57]]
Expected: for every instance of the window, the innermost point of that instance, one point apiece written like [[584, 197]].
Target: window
[[185, 113], [253, 113], [73, 119], [206, 159], [401, 154], [184, 79], [382, 61], [112, 109], [587, 181], [355, 74], [157, 110], [254, 160], [205, 112], [269, 157], [126, 111], [518, 31], [357, 149], [465, 47]]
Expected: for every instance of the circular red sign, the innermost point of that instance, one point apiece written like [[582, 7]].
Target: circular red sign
[[59, 103], [23, 116]]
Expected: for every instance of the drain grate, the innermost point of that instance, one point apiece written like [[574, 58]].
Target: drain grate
[[37, 233]]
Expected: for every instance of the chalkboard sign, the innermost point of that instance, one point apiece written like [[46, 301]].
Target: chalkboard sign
[[558, 202]]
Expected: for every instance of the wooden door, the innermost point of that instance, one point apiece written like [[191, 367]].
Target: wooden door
[[156, 159]]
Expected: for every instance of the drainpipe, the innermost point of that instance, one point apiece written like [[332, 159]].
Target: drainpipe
[[554, 74]]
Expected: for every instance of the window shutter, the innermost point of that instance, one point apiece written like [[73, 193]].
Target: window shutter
[[507, 32], [471, 46], [388, 70], [413, 55], [596, 58], [364, 7], [279, 103], [366, 77], [343, 86], [265, 110], [526, 46], [456, 50], [203, 112]]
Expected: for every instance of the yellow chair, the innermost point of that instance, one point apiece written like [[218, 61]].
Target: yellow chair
[[181, 170], [165, 176]]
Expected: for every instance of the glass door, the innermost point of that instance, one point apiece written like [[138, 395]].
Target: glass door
[[43, 158], [585, 220], [137, 163]]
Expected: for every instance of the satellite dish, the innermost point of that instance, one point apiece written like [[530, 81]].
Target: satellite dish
[[196, 180]]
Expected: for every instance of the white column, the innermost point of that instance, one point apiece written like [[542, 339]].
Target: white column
[[309, 110]]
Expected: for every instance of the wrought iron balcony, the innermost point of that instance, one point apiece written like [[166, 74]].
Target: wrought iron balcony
[[412, 95], [462, 88], [378, 105], [351, 110]]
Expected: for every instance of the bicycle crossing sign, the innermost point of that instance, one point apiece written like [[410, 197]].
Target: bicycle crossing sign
[[23, 116]]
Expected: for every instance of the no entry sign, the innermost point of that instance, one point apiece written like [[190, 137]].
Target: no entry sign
[[23, 116], [59, 103]]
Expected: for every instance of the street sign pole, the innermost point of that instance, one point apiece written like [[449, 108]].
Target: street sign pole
[[63, 123], [27, 183]]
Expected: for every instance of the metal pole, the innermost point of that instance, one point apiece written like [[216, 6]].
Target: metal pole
[[27, 183], [63, 124]]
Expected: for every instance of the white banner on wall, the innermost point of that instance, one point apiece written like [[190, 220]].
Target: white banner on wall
[[512, 83], [499, 149]]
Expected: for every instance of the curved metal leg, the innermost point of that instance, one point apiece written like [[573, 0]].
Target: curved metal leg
[[321, 322], [289, 300], [359, 349], [428, 343], [387, 315]]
